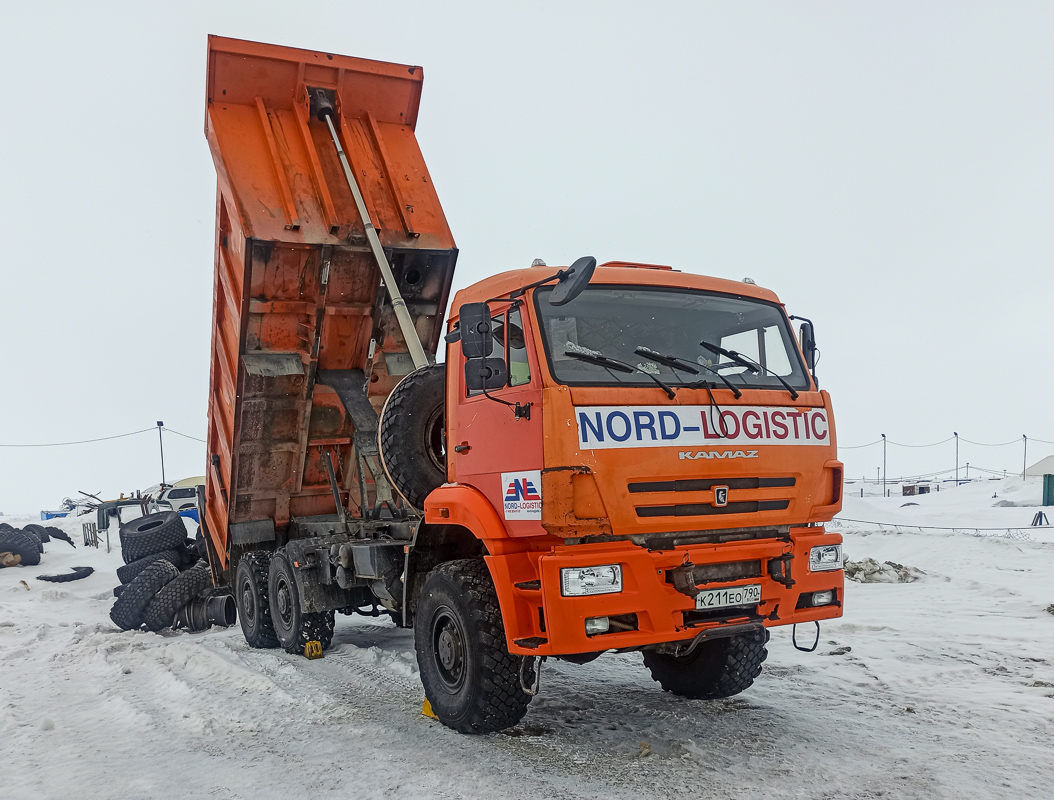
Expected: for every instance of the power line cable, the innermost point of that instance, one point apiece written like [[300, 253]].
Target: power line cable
[[185, 435], [934, 444], [999, 444], [82, 441]]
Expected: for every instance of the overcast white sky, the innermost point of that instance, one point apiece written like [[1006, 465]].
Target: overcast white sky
[[887, 168]]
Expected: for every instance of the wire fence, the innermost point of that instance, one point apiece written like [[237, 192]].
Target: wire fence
[[1020, 533]]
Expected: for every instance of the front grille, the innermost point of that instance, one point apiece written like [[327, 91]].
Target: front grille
[[703, 509], [708, 507], [708, 484]]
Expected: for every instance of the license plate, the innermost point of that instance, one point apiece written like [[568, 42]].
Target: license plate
[[732, 596]]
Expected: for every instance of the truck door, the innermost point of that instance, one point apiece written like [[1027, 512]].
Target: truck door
[[497, 449]]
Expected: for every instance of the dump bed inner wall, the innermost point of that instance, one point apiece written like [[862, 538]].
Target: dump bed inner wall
[[296, 289]]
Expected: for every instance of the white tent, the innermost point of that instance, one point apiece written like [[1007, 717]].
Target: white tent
[[1044, 466]]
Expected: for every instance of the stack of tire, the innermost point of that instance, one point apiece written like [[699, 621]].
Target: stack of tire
[[24, 546], [163, 571]]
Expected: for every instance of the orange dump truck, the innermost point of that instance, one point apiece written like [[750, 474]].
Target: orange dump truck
[[616, 458]]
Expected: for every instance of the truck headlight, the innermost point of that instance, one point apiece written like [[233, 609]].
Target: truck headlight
[[825, 557], [577, 581]]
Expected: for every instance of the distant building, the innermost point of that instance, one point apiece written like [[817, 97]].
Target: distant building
[[1042, 467]]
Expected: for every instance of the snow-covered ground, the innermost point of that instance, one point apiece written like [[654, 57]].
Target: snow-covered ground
[[941, 688]]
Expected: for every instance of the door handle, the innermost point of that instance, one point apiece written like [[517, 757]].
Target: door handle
[[464, 447]]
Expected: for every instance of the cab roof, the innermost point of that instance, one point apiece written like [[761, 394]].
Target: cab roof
[[613, 272]]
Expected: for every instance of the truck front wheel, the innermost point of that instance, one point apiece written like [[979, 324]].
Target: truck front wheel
[[469, 677], [293, 626], [715, 669]]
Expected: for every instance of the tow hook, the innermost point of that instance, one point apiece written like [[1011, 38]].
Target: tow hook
[[780, 569], [532, 690]]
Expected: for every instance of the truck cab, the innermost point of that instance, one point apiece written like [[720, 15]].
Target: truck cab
[[630, 485]]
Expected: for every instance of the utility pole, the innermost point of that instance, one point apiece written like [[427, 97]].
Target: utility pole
[[883, 465], [967, 470], [161, 444], [1024, 458], [956, 433]]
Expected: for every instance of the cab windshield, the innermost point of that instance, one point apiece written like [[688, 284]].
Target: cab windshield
[[614, 321]]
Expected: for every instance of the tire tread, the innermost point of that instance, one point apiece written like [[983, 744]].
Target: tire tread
[[501, 702], [128, 609]]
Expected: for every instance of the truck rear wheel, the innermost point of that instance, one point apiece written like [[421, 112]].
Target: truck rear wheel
[[715, 669], [293, 626], [470, 679], [411, 434], [250, 595]]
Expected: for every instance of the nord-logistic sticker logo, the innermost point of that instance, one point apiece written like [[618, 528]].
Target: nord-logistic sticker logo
[[522, 494]]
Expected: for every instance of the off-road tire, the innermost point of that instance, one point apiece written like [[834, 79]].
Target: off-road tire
[[127, 573], [715, 669], [161, 611], [470, 679], [58, 533], [293, 626], [119, 589], [411, 434], [188, 556], [152, 534], [5, 526], [75, 574], [128, 609], [39, 531], [36, 538], [250, 595], [23, 544]]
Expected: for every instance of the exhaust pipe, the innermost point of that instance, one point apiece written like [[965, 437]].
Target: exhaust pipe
[[203, 612]]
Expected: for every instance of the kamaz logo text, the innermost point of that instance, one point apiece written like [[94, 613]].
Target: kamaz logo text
[[717, 454]]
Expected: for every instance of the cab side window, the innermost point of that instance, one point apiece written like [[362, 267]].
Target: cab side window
[[516, 350], [511, 345]]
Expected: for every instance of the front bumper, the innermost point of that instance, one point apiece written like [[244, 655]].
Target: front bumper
[[540, 621]]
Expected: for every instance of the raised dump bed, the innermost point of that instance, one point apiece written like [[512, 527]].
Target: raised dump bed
[[300, 312]]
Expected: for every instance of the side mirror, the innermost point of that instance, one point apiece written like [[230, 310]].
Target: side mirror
[[574, 280], [485, 373], [474, 325], [808, 345]]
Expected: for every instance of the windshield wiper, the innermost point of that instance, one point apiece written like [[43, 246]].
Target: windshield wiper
[[687, 366], [732, 354], [750, 364], [593, 357]]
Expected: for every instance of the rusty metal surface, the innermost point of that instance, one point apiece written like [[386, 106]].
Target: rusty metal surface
[[295, 282]]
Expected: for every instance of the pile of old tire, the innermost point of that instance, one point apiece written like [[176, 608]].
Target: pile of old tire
[[19, 546], [24, 546], [163, 571]]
